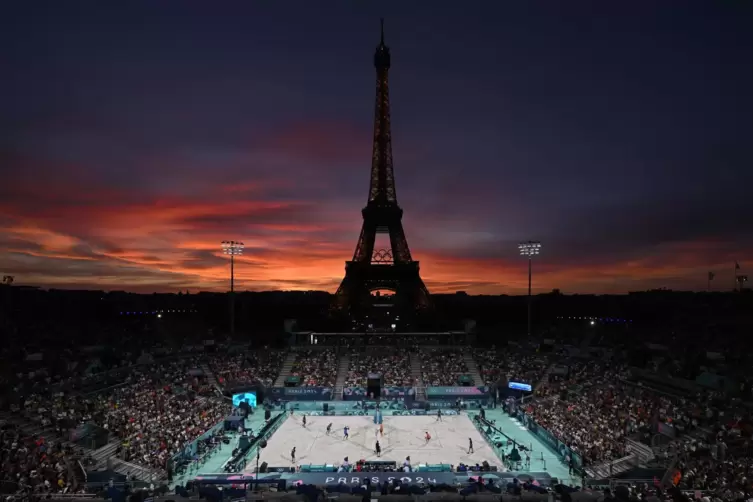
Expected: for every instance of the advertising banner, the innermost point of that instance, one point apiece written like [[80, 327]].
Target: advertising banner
[[457, 392], [360, 393], [333, 478], [301, 393]]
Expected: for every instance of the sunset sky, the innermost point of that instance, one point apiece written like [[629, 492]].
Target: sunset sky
[[135, 136]]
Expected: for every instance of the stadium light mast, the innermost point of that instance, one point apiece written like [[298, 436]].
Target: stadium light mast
[[529, 249], [233, 249]]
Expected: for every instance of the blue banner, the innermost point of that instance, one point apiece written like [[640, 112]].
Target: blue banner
[[360, 393], [550, 440], [520, 386], [301, 393]]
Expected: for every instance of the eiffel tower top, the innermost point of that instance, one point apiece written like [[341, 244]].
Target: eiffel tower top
[[382, 185], [382, 54]]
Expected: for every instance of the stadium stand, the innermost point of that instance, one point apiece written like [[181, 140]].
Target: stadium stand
[[143, 388], [511, 365], [248, 367], [441, 366], [316, 368], [392, 364]]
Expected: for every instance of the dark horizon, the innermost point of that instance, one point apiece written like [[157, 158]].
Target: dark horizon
[[134, 138], [745, 290]]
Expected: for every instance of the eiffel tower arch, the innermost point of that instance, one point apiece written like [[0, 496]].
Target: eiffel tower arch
[[391, 269]]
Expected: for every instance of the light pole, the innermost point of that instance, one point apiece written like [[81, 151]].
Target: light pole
[[232, 248], [529, 249]]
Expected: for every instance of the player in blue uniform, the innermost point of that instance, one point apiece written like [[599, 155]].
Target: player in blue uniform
[[345, 432]]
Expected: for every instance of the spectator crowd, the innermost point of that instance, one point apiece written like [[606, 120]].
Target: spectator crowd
[[246, 368], [442, 367], [510, 365], [154, 413], [393, 364], [30, 466], [316, 368]]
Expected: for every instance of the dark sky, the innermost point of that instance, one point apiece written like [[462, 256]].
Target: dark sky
[[135, 136]]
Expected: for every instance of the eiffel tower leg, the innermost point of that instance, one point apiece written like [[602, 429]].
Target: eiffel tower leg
[[400, 250], [343, 295], [365, 246], [423, 298]]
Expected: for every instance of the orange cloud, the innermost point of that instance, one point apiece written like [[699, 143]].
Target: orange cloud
[[66, 223]]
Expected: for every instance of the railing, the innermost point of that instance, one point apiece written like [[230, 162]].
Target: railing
[[644, 452], [266, 433], [605, 470], [73, 464], [193, 445], [480, 424], [665, 479], [613, 483], [549, 439], [81, 466], [140, 472], [71, 496], [196, 463]]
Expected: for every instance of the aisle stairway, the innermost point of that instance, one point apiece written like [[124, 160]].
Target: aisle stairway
[[287, 367], [211, 379], [643, 452], [102, 455], [415, 370], [342, 375], [607, 470], [473, 370], [544, 378]]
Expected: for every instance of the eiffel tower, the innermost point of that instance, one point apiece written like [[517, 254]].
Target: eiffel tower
[[391, 269]]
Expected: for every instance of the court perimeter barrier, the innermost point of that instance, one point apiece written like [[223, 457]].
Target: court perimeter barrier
[[388, 392], [550, 440]]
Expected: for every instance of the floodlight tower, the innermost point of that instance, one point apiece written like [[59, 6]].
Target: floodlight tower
[[233, 249], [529, 249]]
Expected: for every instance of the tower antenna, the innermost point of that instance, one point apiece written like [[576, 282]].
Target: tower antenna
[[381, 21]]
